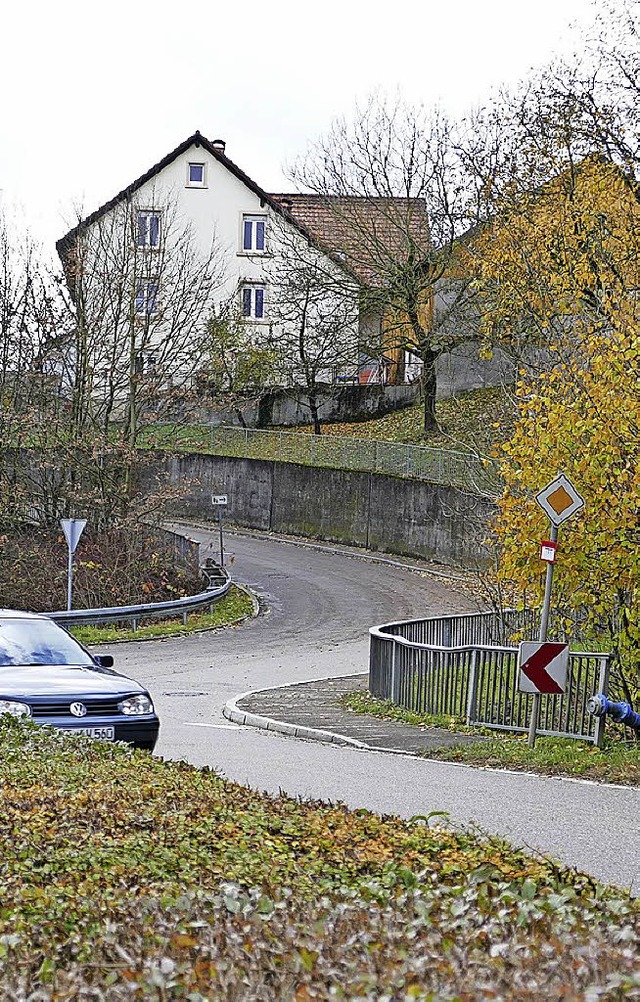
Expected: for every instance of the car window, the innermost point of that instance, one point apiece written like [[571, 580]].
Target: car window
[[38, 642]]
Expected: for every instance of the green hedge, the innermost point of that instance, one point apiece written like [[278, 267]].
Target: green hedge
[[136, 878]]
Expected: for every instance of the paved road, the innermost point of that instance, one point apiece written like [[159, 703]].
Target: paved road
[[321, 606]]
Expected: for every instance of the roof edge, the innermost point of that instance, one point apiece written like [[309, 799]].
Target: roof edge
[[197, 139]]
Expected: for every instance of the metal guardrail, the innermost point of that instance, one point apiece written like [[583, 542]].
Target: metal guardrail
[[438, 666], [439, 466], [219, 584]]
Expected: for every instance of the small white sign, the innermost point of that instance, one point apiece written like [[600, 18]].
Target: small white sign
[[548, 551], [219, 499], [559, 500], [72, 528]]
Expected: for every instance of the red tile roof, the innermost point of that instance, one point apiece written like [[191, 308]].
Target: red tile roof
[[371, 235]]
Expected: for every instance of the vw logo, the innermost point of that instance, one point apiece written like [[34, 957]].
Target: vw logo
[[78, 709]]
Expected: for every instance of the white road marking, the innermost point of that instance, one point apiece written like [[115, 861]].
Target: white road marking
[[222, 727]]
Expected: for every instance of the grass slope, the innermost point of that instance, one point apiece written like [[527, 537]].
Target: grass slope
[[235, 605], [125, 877], [616, 762], [477, 420]]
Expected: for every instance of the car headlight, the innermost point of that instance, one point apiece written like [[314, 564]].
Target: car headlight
[[136, 705], [14, 708]]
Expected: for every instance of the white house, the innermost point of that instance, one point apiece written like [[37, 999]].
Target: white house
[[196, 223], [232, 223]]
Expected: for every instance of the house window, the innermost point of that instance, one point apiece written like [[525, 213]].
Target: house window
[[144, 364], [148, 229], [146, 298], [253, 232], [196, 175], [252, 301]]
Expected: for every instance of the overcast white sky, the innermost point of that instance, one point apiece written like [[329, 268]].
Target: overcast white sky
[[93, 94]]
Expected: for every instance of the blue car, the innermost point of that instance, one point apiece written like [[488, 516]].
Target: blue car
[[45, 674]]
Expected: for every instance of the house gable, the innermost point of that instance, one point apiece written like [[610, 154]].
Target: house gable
[[214, 151]]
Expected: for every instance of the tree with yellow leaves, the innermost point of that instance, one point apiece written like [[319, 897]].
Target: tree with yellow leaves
[[560, 263]]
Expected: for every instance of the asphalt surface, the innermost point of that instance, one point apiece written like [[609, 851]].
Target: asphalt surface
[[321, 606]]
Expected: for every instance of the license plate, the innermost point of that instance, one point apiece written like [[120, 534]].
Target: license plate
[[104, 733]]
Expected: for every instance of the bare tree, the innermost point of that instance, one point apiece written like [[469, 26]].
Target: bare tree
[[312, 310], [27, 326], [394, 201], [238, 366], [141, 294], [96, 357], [31, 403]]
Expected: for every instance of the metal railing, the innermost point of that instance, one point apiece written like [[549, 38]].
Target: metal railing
[[461, 666], [439, 466], [219, 584]]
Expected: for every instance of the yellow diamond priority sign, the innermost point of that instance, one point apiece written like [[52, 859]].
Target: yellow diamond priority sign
[[559, 500]]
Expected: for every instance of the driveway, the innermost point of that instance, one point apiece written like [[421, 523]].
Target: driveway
[[320, 608]]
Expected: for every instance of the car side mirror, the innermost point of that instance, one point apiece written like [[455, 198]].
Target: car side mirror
[[104, 660]]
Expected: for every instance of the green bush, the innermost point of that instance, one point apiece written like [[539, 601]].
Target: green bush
[[126, 877], [114, 567]]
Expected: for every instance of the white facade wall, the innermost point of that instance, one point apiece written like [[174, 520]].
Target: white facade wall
[[214, 212]]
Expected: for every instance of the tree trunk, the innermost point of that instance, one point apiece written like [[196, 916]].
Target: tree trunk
[[240, 416], [313, 407], [429, 386]]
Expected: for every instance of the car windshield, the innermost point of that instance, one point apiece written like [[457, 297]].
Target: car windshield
[[38, 642]]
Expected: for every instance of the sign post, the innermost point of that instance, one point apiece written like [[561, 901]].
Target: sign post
[[72, 528], [559, 500], [220, 501]]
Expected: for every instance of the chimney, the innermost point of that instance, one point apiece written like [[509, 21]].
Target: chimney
[[219, 145], [286, 203]]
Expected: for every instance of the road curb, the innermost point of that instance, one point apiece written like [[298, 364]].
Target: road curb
[[255, 602], [231, 711]]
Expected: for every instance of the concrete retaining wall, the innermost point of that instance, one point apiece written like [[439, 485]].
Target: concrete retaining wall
[[402, 516], [290, 407], [185, 551]]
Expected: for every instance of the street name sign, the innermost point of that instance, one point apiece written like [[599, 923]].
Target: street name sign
[[559, 500], [543, 667]]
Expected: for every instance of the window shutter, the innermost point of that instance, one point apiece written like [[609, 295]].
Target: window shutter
[[152, 295], [142, 230], [154, 230]]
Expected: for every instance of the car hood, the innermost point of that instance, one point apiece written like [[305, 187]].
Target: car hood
[[62, 680]]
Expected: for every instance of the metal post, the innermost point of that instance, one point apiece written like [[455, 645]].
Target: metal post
[[220, 531], [603, 684], [393, 671], [69, 579], [473, 688], [544, 622]]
